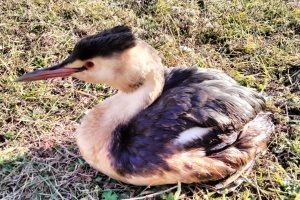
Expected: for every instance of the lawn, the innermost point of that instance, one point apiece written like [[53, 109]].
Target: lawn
[[257, 42]]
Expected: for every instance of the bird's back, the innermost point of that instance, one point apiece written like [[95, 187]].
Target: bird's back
[[201, 113]]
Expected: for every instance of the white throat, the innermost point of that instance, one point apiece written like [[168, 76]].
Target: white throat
[[124, 106]]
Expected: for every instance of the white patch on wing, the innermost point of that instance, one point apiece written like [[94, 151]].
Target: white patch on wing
[[191, 134]]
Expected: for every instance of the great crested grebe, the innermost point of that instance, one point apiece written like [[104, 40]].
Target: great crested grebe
[[164, 125]]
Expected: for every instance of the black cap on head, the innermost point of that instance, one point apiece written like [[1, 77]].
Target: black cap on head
[[104, 43]]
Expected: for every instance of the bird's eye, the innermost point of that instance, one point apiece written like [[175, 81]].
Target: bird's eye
[[89, 64]]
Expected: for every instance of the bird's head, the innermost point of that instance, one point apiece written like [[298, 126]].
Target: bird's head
[[114, 57]]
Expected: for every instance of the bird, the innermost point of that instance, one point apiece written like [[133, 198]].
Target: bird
[[165, 124]]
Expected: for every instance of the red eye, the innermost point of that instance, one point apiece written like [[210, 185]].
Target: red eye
[[89, 64]]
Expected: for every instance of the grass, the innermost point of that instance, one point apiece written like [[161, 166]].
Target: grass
[[256, 42]]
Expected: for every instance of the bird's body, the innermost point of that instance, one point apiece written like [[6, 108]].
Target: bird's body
[[164, 125]]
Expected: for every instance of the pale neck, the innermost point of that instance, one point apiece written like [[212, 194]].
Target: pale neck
[[124, 106], [95, 134], [128, 102]]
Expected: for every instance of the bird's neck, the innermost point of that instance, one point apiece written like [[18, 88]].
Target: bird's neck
[[96, 130], [101, 121], [149, 72], [124, 106], [141, 84]]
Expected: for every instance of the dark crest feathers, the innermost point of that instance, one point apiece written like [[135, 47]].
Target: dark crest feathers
[[104, 43]]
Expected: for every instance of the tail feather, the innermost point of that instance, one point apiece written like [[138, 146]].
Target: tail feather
[[250, 144], [252, 141]]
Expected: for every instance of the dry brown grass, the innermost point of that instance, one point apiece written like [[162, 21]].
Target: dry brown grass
[[257, 42]]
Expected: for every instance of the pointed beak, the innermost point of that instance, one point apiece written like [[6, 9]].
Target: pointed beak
[[59, 70]]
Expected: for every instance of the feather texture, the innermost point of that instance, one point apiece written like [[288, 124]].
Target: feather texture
[[192, 97]]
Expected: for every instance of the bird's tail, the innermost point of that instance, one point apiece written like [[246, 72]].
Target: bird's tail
[[251, 143]]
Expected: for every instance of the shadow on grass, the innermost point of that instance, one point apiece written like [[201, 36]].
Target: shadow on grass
[[59, 172], [53, 173]]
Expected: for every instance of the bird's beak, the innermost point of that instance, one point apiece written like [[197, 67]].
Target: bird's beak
[[59, 70]]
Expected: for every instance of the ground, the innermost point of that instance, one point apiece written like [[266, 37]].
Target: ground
[[257, 42]]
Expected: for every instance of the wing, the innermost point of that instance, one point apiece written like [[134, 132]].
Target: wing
[[198, 108]]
